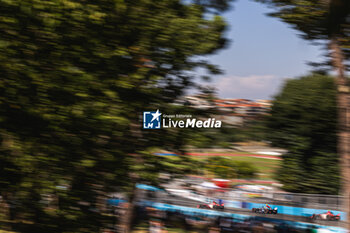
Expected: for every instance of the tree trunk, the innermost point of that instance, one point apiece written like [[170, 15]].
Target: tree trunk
[[128, 217], [343, 105], [129, 214]]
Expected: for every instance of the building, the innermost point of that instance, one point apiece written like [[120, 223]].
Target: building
[[232, 111]]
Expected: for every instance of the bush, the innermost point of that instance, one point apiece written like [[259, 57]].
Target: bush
[[228, 169]]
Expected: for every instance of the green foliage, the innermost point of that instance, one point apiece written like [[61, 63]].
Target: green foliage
[[254, 130], [151, 165], [75, 78], [320, 21], [303, 120], [228, 169], [316, 20]]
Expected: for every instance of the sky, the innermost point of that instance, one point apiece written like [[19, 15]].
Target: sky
[[263, 52]]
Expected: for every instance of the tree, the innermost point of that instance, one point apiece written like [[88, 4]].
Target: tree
[[303, 120], [75, 78], [327, 20]]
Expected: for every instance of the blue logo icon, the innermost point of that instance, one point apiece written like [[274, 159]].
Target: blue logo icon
[[151, 120]]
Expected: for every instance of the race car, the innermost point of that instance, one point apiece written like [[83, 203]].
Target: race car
[[326, 216], [213, 205], [265, 210]]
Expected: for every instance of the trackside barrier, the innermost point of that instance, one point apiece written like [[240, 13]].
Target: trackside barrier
[[148, 187], [318, 201], [115, 202], [288, 210], [192, 211], [236, 217]]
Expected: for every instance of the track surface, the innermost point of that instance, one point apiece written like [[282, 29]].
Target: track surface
[[181, 201]]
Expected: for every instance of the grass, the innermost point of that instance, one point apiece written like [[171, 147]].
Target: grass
[[266, 168]]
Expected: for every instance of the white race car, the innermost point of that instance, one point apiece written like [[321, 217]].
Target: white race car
[[326, 216]]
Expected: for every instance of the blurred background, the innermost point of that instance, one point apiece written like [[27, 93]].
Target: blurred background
[[77, 75]]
